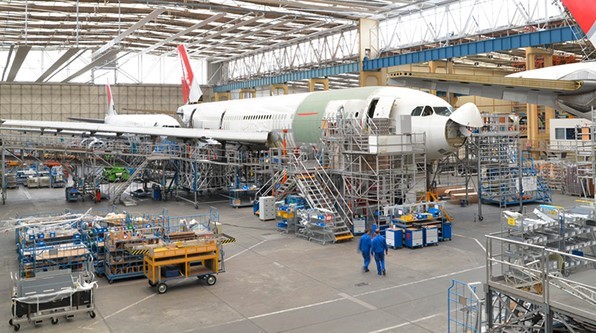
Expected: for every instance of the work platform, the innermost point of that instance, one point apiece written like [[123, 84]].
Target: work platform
[[357, 169]]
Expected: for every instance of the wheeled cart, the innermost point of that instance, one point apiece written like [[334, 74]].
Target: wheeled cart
[[201, 258], [51, 295]]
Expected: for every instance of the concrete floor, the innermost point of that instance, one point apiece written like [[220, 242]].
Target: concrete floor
[[275, 282]]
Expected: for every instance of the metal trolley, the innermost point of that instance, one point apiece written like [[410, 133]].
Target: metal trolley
[[50, 295], [201, 258]]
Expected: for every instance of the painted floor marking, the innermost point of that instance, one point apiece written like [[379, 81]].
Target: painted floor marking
[[404, 324], [247, 249], [475, 239], [357, 301]]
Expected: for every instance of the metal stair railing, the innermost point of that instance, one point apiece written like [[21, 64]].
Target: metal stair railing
[[317, 188], [121, 188]]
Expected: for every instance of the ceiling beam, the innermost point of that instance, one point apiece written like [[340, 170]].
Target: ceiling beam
[[106, 57], [19, 57], [128, 31], [64, 58], [221, 32], [184, 32], [7, 62]]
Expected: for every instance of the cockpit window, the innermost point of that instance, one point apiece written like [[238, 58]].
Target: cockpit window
[[443, 110], [417, 111], [428, 111]]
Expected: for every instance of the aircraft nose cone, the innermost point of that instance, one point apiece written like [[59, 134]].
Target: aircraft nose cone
[[467, 115]]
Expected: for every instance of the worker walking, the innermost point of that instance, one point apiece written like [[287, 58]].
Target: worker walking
[[379, 249], [364, 247]]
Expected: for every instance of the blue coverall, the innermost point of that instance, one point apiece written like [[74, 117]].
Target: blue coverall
[[364, 246], [379, 248]]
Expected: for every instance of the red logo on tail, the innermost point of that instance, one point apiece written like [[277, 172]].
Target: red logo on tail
[[584, 12], [187, 75]]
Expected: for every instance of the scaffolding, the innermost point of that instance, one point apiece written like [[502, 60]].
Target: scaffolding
[[526, 290], [506, 174], [376, 164]]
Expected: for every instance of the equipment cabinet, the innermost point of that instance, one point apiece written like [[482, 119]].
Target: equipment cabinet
[[394, 238], [413, 238]]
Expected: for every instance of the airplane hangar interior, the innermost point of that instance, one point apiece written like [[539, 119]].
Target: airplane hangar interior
[[298, 166]]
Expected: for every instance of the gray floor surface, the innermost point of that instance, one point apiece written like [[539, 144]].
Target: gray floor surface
[[275, 282]]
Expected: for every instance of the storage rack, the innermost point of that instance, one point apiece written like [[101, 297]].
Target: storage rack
[[50, 241], [54, 256], [242, 195], [316, 225], [503, 168], [287, 213], [120, 261], [567, 230]]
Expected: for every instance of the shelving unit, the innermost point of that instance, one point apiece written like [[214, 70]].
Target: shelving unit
[[242, 196], [316, 225], [567, 230], [504, 168], [121, 261]]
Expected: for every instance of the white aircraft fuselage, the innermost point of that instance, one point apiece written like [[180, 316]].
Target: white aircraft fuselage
[[299, 118]]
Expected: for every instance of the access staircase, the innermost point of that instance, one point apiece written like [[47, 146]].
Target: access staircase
[[119, 189], [317, 188], [279, 186], [287, 186]]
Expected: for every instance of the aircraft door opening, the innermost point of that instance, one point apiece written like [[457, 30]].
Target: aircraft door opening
[[380, 107]]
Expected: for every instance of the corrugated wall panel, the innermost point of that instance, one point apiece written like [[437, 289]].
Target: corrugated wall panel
[[59, 101]]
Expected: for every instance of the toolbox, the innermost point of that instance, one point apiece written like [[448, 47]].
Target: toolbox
[[413, 238], [394, 238]]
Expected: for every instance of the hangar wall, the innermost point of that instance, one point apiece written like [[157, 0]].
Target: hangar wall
[[49, 101]]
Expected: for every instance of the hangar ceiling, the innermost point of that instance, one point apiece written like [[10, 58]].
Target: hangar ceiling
[[239, 33], [222, 28]]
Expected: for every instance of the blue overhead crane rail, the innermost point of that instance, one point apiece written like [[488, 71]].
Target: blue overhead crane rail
[[537, 38]]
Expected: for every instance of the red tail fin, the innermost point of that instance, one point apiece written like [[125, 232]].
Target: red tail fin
[[584, 12], [191, 91], [111, 107]]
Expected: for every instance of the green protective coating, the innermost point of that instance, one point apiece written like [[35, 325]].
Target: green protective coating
[[307, 120]]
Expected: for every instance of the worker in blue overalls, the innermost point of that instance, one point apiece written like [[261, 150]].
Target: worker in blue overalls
[[379, 249], [364, 247]]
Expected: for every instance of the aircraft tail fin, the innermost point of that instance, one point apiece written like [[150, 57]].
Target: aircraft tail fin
[[111, 107], [191, 91], [584, 13]]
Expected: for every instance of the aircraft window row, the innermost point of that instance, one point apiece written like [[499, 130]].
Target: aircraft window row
[[171, 126], [265, 117]]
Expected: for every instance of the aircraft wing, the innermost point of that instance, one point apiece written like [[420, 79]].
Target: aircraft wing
[[93, 129], [524, 90], [87, 120]]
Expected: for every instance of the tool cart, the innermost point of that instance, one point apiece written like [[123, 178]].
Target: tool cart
[[201, 258]]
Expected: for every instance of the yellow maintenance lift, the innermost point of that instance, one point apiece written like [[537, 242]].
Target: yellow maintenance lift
[[201, 258]]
